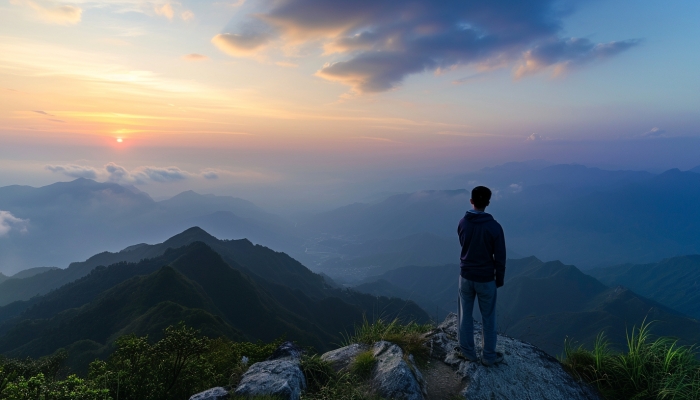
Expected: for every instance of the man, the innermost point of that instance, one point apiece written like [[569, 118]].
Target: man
[[483, 267]]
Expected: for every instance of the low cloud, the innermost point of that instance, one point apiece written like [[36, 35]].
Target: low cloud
[[654, 132], [74, 171], [141, 175], [535, 137], [113, 172], [374, 45], [51, 13], [167, 174], [240, 45], [516, 188], [210, 174], [9, 222], [194, 57], [43, 113]]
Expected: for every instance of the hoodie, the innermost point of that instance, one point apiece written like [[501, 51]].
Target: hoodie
[[483, 257]]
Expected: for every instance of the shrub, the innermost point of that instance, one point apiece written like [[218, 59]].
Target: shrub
[[650, 369]]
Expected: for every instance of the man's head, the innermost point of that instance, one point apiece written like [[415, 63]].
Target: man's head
[[481, 197]]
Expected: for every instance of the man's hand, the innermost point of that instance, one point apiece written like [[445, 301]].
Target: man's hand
[[499, 283]]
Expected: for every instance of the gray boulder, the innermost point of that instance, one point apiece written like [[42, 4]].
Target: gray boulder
[[395, 377], [279, 376], [217, 393], [341, 358], [525, 373]]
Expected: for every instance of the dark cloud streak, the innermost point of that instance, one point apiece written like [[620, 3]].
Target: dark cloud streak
[[379, 43]]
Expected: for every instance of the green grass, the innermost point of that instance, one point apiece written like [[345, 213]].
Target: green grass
[[649, 369], [363, 364], [407, 336], [323, 383]]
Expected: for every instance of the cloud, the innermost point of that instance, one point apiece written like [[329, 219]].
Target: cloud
[[43, 113], [187, 15], [52, 13], [167, 174], [563, 55], [516, 188], [74, 171], [535, 137], [210, 174], [165, 10], [374, 45], [9, 222], [654, 132], [119, 174], [240, 45], [194, 57]]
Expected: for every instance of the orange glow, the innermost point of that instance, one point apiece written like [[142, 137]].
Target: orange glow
[[120, 140]]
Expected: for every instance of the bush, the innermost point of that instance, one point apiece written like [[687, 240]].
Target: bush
[[650, 369]]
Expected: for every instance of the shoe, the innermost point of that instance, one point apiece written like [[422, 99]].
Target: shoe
[[462, 356], [497, 360]]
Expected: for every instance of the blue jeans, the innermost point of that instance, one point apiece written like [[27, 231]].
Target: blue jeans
[[485, 292]]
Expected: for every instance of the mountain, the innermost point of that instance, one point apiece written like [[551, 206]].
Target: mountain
[[257, 260], [194, 284], [585, 216], [674, 282], [28, 273], [66, 221], [696, 169], [542, 302], [349, 261]]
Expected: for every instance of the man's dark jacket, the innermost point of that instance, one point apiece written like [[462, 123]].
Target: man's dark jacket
[[483, 257]]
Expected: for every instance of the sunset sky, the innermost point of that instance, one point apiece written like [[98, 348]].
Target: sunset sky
[[257, 97]]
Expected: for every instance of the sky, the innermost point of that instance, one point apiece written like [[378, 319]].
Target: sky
[[326, 102]]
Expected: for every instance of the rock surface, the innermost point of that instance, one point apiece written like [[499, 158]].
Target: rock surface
[[279, 376], [217, 393], [394, 377], [525, 373], [341, 358]]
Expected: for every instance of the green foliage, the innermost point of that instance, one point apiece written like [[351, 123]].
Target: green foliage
[[408, 336], [39, 388], [175, 367], [363, 364], [650, 369]]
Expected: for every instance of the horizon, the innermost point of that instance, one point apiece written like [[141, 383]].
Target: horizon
[[259, 100]]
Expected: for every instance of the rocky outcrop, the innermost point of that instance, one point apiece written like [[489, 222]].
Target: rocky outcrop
[[526, 372], [396, 376], [217, 393], [341, 358], [280, 376]]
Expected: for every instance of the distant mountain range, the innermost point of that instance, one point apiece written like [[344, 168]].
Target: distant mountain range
[[542, 302], [229, 288], [585, 216], [68, 221], [674, 282]]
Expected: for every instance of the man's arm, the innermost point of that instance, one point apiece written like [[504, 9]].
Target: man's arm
[[499, 257]]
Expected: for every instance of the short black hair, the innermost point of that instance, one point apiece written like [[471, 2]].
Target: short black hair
[[481, 196]]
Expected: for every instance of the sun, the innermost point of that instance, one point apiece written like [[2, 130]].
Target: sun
[[119, 140]]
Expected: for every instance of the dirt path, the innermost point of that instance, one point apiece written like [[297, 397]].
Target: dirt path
[[442, 381]]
